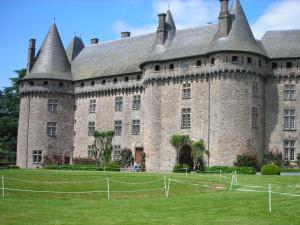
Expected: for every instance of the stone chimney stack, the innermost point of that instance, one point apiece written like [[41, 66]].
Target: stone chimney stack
[[94, 41], [31, 54], [161, 29], [224, 19], [125, 34]]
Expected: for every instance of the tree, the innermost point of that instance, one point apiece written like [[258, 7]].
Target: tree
[[126, 157], [9, 115], [102, 146], [198, 152], [178, 141]]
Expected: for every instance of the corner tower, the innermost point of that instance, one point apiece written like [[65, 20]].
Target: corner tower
[[46, 117]]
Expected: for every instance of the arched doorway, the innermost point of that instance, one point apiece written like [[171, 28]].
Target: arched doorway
[[185, 156]]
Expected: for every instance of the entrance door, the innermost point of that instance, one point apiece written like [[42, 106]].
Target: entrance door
[[185, 156], [138, 155]]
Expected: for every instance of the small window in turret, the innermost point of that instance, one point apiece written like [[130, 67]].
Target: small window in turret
[[45, 83], [61, 84], [212, 61], [138, 77], [31, 83], [259, 63], [171, 66], [115, 80], [249, 60], [103, 82], [288, 65], [274, 65], [234, 59], [22, 84], [126, 79], [82, 84], [198, 63], [157, 68], [92, 83]]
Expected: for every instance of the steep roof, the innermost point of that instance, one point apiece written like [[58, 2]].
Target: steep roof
[[282, 44], [51, 61], [240, 37], [74, 48]]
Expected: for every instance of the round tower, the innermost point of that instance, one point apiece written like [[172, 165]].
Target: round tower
[[45, 132]]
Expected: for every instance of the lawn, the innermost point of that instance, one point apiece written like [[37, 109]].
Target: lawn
[[140, 198]]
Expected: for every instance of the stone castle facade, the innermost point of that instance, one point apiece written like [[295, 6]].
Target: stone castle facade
[[216, 83]]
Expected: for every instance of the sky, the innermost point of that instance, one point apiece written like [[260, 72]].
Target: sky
[[21, 20]]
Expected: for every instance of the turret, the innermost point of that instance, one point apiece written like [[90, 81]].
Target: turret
[[224, 20]]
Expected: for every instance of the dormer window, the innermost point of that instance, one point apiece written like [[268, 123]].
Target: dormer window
[[82, 84], [259, 63], [212, 61], [234, 59], [171, 66], [92, 83], [45, 83], [288, 65], [157, 68], [274, 65], [115, 80], [249, 60], [103, 82], [138, 77], [126, 79], [31, 83], [60, 84], [198, 63]]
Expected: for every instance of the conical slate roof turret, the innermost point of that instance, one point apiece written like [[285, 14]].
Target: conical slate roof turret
[[51, 60], [74, 48], [240, 37]]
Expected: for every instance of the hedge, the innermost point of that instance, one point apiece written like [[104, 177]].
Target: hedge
[[227, 169], [270, 169]]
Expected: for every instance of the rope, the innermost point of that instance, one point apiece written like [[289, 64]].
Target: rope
[[55, 192], [154, 189], [147, 182], [54, 182]]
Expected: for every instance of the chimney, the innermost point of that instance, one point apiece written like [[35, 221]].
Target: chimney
[[125, 34], [94, 41], [31, 54], [224, 19], [161, 29]]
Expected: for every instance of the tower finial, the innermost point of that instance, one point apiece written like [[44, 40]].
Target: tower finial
[[53, 20], [169, 5]]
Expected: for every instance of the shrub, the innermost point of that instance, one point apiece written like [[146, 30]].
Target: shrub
[[270, 169], [246, 161], [227, 169], [126, 157], [181, 168], [298, 160], [112, 166], [84, 161], [143, 162], [275, 158]]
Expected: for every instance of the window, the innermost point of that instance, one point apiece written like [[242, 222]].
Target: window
[[289, 119], [51, 129], [186, 118], [198, 63], [45, 83], [91, 128], [37, 156], [117, 153], [31, 83], [138, 77], [118, 103], [171, 66], [91, 151], [118, 127], [289, 150], [289, 92], [274, 65], [186, 91], [82, 84], [157, 68], [255, 89], [115, 80], [212, 61], [52, 105], [136, 103], [249, 60], [60, 84], [259, 63], [92, 83], [103, 81], [126, 79], [288, 65], [234, 59], [254, 117], [135, 129], [92, 107]]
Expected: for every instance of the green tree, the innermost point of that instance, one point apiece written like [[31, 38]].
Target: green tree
[[9, 115], [198, 152], [103, 146], [178, 141]]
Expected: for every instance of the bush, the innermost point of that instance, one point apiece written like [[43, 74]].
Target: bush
[[246, 161], [112, 166], [227, 169], [181, 168], [126, 157], [298, 160], [84, 161], [275, 158], [270, 169]]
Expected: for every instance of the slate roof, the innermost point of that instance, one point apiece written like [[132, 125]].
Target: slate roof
[[240, 37], [74, 48], [282, 44], [51, 61]]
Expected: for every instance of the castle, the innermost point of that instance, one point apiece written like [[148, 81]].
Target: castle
[[216, 83]]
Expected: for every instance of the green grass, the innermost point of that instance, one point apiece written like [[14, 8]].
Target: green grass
[[187, 204]]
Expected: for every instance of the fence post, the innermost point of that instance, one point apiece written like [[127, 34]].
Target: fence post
[[270, 198], [107, 181], [186, 172], [165, 182], [168, 187], [220, 178], [10, 168], [231, 182], [3, 193]]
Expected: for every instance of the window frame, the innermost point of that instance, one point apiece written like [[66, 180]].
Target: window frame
[[91, 128], [136, 102], [118, 127], [37, 156], [289, 92], [119, 103], [135, 127], [186, 90], [117, 153], [186, 118], [289, 150], [52, 105], [92, 106], [289, 119], [51, 129]]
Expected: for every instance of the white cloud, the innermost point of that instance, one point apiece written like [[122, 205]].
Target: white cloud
[[186, 14], [281, 15]]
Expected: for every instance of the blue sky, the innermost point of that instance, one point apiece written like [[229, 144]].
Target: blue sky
[[21, 20]]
